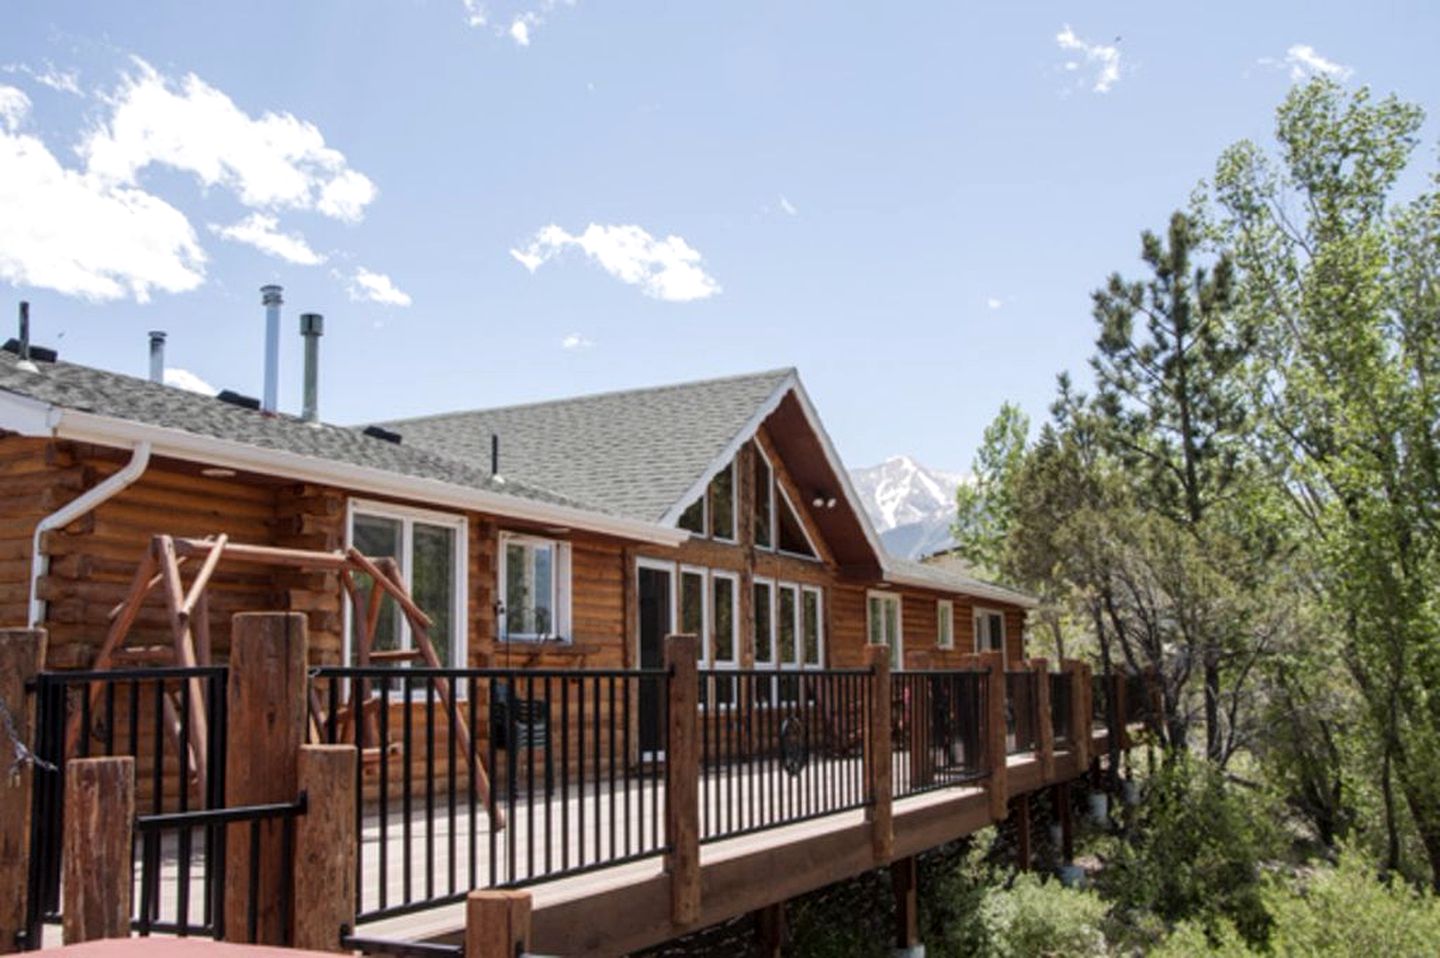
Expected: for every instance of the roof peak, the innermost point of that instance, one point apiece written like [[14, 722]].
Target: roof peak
[[778, 373]]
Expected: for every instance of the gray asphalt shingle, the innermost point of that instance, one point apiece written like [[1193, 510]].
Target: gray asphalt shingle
[[634, 453]]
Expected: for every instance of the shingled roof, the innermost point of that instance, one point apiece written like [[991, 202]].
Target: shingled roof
[[634, 453], [87, 389]]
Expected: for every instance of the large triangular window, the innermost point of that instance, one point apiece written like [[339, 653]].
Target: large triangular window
[[791, 533]]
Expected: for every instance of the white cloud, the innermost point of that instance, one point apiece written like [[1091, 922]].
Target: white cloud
[[994, 302], [788, 207], [14, 107], [1304, 62], [1105, 59], [185, 379], [275, 161], [668, 269], [48, 76], [262, 231], [576, 341], [367, 286], [73, 233], [517, 21]]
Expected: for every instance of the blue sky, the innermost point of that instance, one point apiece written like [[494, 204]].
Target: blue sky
[[909, 203]]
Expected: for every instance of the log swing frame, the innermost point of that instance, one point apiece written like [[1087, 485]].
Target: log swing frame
[[191, 644]]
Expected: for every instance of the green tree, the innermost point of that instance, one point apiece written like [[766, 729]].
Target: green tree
[[985, 506], [1339, 282]]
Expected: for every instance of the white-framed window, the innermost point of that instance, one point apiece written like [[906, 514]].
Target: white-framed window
[[724, 620], [791, 537], [534, 588], [694, 608], [789, 633], [812, 627], [431, 550], [883, 624], [763, 607], [763, 489], [721, 496], [945, 624], [989, 630]]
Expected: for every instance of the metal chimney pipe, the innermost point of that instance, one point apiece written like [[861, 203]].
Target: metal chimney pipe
[[157, 356], [270, 299], [312, 327], [24, 346]]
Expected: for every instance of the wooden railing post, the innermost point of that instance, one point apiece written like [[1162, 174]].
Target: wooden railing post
[[1119, 731], [22, 657], [324, 868], [997, 786], [497, 924], [1045, 721], [1080, 710], [878, 752], [1155, 699], [96, 865], [266, 720], [682, 779]]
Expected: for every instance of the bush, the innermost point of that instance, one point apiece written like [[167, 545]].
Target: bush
[[1349, 910], [1193, 853], [1035, 919]]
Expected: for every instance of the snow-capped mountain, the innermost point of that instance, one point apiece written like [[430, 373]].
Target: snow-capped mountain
[[912, 506]]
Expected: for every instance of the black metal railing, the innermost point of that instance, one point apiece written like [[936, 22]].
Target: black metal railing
[[779, 747], [1022, 721], [172, 722], [164, 839], [1100, 702], [938, 729], [1062, 698], [573, 761]]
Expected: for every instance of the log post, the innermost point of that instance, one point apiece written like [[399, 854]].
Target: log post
[[770, 931], [1154, 700], [682, 779], [1022, 829], [1119, 731], [497, 924], [1060, 798], [96, 867], [996, 758], [1045, 721], [878, 750], [324, 877], [905, 883], [1080, 710], [22, 657], [266, 720]]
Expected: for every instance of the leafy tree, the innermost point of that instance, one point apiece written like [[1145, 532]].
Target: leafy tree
[[985, 505]]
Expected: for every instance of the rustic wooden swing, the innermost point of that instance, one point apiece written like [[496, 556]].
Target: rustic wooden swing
[[355, 721]]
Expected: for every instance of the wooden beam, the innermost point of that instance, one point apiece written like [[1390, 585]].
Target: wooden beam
[[1044, 720], [497, 924], [878, 751], [96, 865], [682, 779], [267, 707], [905, 883], [1060, 798], [1022, 829], [996, 784], [770, 931], [22, 657], [324, 879]]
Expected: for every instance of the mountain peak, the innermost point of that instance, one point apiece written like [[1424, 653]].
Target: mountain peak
[[911, 505]]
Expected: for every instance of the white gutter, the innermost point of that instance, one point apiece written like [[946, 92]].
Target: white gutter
[[74, 509], [971, 587], [179, 444]]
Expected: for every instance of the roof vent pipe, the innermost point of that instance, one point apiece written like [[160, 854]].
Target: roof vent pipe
[[24, 340], [312, 327], [157, 356], [495, 457], [270, 298]]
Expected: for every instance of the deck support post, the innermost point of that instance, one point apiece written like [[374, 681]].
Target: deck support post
[[266, 727], [96, 866], [1119, 729], [22, 657], [682, 779], [497, 924], [1022, 829], [905, 883], [770, 931], [1060, 800], [324, 879], [1044, 721], [878, 751], [996, 786]]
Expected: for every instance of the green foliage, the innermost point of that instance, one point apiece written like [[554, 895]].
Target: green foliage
[[1193, 852], [1035, 918], [985, 506]]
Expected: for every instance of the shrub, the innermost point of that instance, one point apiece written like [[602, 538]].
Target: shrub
[[1349, 910], [1036, 919], [1193, 852]]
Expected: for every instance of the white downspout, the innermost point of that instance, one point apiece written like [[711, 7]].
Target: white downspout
[[77, 507]]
